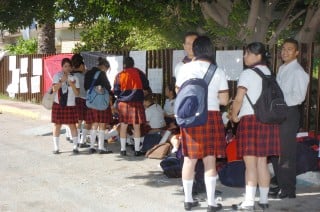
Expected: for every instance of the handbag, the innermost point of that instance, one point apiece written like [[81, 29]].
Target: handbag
[[159, 151], [47, 99], [97, 99]]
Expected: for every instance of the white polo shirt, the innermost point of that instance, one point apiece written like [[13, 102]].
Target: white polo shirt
[[155, 116], [71, 97], [197, 69], [250, 80]]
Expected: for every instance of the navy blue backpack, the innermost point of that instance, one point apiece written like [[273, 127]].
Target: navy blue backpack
[[191, 107]]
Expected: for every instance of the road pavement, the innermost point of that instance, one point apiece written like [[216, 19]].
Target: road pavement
[[34, 179]]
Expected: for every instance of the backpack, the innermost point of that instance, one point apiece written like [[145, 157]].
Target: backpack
[[171, 167], [97, 99], [270, 107], [191, 107]]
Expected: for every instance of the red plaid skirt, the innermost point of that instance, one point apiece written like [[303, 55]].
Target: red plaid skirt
[[64, 115], [209, 139], [131, 113], [81, 108], [99, 116], [257, 139]]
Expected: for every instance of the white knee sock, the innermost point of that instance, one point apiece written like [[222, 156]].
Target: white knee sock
[[210, 182], [136, 144], [93, 135], [123, 142], [250, 195], [83, 136], [263, 194], [75, 142], [56, 143], [79, 134], [101, 140], [187, 188]]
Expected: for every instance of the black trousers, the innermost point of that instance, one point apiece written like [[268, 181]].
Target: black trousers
[[285, 165]]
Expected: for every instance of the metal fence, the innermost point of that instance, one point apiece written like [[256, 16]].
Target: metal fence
[[163, 59]]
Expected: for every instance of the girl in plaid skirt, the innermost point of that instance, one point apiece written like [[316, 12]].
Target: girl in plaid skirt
[[129, 87], [99, 118], [66, 88], [255, 140], [204, 142]]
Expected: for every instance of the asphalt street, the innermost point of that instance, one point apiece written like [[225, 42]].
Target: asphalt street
[[34, 179]]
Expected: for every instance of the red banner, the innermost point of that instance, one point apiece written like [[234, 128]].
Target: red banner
[[52, 65]]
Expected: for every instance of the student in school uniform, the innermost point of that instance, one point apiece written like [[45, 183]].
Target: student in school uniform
[[66, 88]]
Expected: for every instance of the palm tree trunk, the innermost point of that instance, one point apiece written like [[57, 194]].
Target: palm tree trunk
[[46, 38]]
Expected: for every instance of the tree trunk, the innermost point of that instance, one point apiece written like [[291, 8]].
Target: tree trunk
[[46, 39], [311, 25]]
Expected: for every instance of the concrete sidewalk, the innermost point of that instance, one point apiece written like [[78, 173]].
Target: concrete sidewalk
[[29, 110]]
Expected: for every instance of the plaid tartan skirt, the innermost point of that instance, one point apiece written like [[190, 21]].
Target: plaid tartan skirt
[[64, 115], [201, 141], [81, 108], [99, 116], [257, 139], [131, 113]]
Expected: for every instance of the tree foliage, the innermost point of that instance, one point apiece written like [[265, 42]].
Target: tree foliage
[[148, 24], [22, 47]]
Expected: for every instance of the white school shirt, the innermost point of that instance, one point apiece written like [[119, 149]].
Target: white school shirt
[[293, 81], [250, 80], [177, 68], [168, 106], [71, 97], [197, 69], [155, 116]]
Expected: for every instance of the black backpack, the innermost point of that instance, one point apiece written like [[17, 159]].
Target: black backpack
[[270, 107]]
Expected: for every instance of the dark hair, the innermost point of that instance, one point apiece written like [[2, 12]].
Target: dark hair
[[203, 48], [77, 60], [150, 98], [172, 87], [65, 60], [103, 62], [190, 34], [128, 62], [293, 41], [259, 48]]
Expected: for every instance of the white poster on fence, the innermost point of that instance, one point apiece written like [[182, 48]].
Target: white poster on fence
[[116, 65], [37, 67], [155, 77], [15, 76], [177, 57], [12, 63], [23, 85], [24, 65], [140, 59], [35, 84], [231, 61]]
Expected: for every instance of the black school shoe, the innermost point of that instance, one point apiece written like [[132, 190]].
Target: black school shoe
[[284, 195], [263, 206], [102, 151], [56, 152], [75, 151], [123, 153], [189, 205], [92, 150], [214, 208], [138, 153]]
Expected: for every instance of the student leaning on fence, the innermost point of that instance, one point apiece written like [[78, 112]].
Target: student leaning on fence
[[256, 140], [99, 118], [66, 88], [207, 141]]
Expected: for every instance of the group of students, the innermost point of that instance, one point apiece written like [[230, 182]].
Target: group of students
[[256, 141]]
